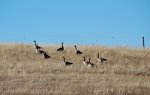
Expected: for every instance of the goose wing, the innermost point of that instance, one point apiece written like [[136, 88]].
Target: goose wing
[[60, 49], [68, 63], [79, 52], [103, 59]]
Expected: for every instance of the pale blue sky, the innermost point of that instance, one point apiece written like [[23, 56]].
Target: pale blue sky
[[102, 22]]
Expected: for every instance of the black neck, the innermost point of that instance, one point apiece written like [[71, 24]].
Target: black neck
[[75, 47], [35, 42], [62, 45], [84, 59], [64, 59], [89, 59], [98, 55]]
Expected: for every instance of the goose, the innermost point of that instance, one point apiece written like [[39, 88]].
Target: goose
[[100, 59], [77, 51], [36, 45], [40, 51], [84, 62], [89, 64], [67, 63], [46, 56], [61, 48]]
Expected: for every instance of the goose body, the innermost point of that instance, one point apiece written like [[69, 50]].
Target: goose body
[[77, 51], [40, 51], [46, 56], [61, 48], [66, 63], [100, 59]]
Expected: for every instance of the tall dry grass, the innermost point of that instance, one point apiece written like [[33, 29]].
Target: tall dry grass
[[23, 72]]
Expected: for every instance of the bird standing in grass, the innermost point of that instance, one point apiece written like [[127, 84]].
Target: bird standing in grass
[[66, 63], [61, 48], [100, 59], [77, 51]]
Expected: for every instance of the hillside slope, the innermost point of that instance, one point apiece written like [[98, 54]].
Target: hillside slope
[[24, 72]]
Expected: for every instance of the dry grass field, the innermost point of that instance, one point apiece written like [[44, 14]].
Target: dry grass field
[[24, 72]]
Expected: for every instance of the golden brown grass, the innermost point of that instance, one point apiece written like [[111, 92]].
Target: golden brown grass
[[23, 72]]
